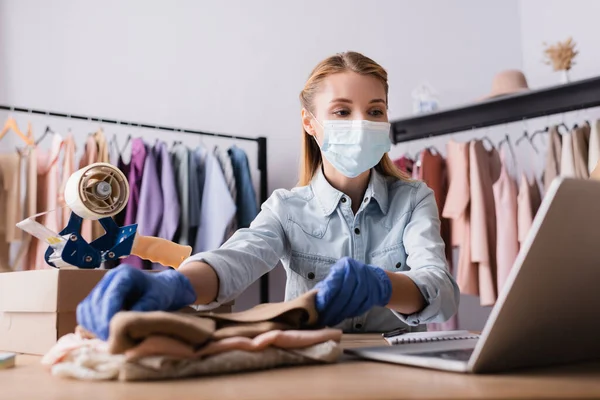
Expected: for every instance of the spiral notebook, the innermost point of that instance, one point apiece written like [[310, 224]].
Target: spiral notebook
[[427, 337]]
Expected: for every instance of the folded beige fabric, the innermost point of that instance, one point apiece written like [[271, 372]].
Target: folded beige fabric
[[155, 368], [129, 328]]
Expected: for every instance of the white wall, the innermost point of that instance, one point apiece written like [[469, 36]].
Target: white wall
[[237, 66]]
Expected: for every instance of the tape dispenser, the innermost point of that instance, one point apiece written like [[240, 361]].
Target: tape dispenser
[[99, 192]]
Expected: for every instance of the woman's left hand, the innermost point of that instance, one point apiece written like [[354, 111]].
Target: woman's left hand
[[351, 289]]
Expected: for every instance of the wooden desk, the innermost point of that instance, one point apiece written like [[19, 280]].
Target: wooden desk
[[349, 379]]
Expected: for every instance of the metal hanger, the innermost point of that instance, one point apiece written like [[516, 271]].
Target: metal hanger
[[508, 142], [46, 132]]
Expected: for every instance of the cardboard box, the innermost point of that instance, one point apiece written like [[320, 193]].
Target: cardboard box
[[38, 307]]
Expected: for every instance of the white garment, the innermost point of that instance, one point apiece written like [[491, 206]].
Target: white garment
[[218, 208], [567, 160], [594, 149]]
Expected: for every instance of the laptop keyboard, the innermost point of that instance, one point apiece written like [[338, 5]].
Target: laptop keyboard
[[457, 355]]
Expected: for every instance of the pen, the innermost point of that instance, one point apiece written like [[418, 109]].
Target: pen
[[395, 332]]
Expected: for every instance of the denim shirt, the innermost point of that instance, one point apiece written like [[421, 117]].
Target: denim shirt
[[309, 228]]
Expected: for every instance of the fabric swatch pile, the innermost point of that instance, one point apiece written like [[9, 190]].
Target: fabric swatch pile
[[168, 345]]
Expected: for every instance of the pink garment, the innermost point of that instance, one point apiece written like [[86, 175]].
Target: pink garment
[[292, 339], [507, 243], [528, 202], [68, 168], [47, 200], [484, 171], [457, 209], [90, 156]]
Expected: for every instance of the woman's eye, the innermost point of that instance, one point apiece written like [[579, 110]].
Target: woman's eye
[[342, 113], [376, 113]]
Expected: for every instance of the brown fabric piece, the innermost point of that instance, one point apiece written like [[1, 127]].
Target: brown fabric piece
[[129, 328], [29, 160], [529, 200], [553, 156], [581, 139], [155, 368], [485, 168], [10, 205]]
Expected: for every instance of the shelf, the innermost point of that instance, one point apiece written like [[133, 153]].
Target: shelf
[[531, 104]]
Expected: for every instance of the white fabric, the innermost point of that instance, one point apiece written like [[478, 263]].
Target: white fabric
[[567, 160]]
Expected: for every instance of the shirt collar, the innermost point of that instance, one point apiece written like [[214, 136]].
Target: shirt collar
[[329, 197]]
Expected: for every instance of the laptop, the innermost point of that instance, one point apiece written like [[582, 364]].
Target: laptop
[[548, 312]]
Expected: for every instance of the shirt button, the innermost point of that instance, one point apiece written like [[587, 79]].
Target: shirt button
[[399, 265], [357, 231], [311, 275], [366, 199], [343, 200], [358, 326]]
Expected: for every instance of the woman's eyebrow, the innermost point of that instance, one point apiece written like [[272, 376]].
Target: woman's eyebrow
[[341, 100], [377, 101]]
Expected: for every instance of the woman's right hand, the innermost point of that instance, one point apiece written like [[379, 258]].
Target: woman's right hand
[[128, 288]]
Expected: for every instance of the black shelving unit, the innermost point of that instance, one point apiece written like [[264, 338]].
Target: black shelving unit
[[261, 155], [529, 104]]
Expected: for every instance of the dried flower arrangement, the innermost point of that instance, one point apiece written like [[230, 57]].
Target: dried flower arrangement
[[561, 55]]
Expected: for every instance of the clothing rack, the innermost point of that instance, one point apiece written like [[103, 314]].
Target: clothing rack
[[262, 155], [500, 110]]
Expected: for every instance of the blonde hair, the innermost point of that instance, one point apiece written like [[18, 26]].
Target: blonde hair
[[311, 160]]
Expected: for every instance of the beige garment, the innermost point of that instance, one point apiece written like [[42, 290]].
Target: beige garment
[[155, 368], [90, 156], [10, 205], [507, 243], [29, 160], [292, 339], [68, 168], [484, 172], [528, 201], [581, 138], [594, 148], [457, 209], [553, 158], [47, 200], [567, 158], [102, 144], [129, 328]]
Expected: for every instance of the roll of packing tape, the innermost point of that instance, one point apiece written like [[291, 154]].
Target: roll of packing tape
[[97, 191]]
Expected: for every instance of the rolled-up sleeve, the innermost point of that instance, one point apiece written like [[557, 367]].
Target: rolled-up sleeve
[[427, 261], [249, 253]]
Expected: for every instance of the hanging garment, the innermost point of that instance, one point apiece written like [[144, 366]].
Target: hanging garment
[[68, 168], [28, 157], [136, 174], [227, 168], [484, 171], [102, 144], [594, 148], [404, 164], [553, 158], [507, 243], [90, 156], [457, 209], [125, 169], [181, 155], [529, 200], [47, 200], [195, 194], [247, 206], [135, 178], [217, 208], [10, 205], [171, 209], [433, 173], [581, 138], [567, 158]]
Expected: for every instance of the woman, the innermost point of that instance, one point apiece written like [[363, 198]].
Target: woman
[[356, 229]]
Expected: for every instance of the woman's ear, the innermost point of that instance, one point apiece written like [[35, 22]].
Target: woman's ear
[[307, 119]]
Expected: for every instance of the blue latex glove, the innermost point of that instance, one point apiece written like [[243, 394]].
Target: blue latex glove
[[351, 289], [128, 288]]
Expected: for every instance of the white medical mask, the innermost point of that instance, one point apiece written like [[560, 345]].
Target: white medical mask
[[354, 146]]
